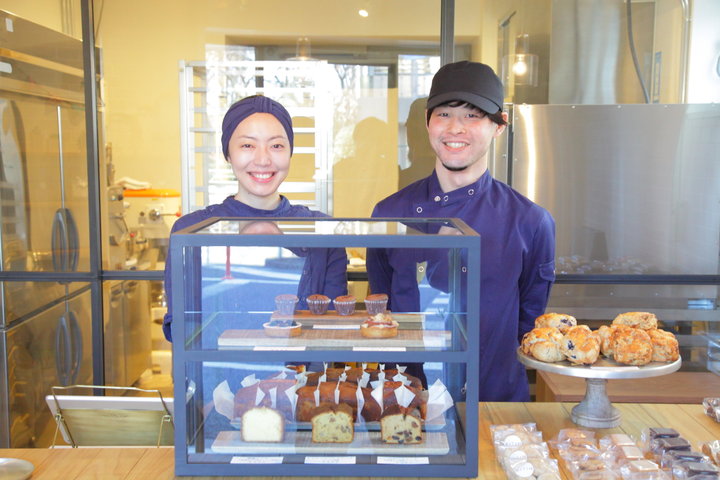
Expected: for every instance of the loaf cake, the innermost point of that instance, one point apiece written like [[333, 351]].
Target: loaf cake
[[400, 425], [353, 375], [348, 396], [332, 424], [262, 424], [245, 397]]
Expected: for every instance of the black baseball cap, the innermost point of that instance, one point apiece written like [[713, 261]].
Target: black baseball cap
[[472, 82]]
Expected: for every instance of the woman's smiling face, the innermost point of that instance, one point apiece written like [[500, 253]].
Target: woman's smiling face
[[259, 153]]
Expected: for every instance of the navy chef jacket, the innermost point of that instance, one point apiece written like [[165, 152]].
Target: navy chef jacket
[[517, 268], [324, 270]]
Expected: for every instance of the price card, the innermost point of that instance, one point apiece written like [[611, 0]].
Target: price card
[[379, 349], [260, 348], [403, 460], [331, 460], [336, 327], [256, 460]]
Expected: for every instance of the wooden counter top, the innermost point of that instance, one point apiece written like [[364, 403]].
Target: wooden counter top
[[158, 463]]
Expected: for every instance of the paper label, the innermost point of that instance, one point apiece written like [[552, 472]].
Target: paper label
[[336, 327], [512, 441], [524, 469], [331, 460], [379, 349], [256, 460], [403, 460], [282, 349]]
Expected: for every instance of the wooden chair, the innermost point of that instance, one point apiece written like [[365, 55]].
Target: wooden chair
[[90, 420]]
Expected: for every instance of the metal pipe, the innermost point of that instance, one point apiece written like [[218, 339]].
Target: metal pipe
[[684, 50]]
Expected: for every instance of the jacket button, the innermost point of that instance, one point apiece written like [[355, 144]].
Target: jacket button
[[437, 198], [471, 191], [418, 209]]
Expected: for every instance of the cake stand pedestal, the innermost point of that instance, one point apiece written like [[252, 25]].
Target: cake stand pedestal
[[596, 410]]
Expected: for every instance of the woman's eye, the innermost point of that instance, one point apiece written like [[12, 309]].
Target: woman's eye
[[278, 146], [245, 145]]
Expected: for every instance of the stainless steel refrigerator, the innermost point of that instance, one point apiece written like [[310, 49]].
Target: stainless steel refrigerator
[[45, 324]]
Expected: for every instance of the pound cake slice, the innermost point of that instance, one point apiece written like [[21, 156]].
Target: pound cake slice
[[332, 423], [399, 425], [262, 424]]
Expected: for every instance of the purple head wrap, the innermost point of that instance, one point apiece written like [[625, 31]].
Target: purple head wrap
[[242, 109]]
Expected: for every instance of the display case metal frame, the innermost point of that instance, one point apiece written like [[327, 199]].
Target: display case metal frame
[[185, 354]]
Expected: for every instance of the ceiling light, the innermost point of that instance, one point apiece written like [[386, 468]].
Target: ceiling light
[[363, 13]]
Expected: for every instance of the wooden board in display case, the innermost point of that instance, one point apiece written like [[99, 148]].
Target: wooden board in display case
[[330, 338], [364, 443]]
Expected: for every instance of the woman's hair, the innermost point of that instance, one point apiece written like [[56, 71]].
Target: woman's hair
[[495, 117]]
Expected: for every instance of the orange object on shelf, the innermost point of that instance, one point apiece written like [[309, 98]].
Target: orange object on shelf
[[152, 192]]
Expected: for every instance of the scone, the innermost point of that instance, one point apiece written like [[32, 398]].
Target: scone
[[580, 345], [665, 346], [607, 334], [643, 320], [560, 321], [543, 343], [632, 347]]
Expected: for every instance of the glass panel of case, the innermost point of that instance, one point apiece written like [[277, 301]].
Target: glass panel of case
[[236, 297], [239, 346], [295, 412]]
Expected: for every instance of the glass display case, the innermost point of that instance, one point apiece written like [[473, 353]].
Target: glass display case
[[282, 372]]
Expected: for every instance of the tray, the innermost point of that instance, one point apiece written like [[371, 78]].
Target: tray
[[595, 410], [604, 368], [365, 443]]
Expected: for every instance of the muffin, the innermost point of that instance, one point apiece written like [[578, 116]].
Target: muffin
[[376, 303], [285, 303], [318, 304], [345, 304]]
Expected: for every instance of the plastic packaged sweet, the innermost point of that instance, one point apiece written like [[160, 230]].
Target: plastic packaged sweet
[[659, 446], [690, 470], [568, 435], [643, 470], [670, 458], [509, 455], [712, 407], [541, 468], [622, 454], [598, 475], [712, 450], [515, 434], [615, 439]]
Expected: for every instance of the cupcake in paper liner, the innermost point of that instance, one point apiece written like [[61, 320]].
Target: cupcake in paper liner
[[285, 303], [376, 303], [345, 304], [318, 304]]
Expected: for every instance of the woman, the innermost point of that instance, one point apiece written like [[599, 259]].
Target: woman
[[257, 142]]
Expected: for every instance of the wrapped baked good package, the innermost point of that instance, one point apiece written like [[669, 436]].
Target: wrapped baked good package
[[692, 470], [515, 434], [712, 450], [672, 457], [712, 407], [643, 470]]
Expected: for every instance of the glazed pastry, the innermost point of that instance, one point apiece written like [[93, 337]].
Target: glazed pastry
[[665, 346], [380, 325], [580, 345], [543, 343], [632, 347], [643, 320], [560, 321]]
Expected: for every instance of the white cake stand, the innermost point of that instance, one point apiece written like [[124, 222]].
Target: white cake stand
[[595, 410]]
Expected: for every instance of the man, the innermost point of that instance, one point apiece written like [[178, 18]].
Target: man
[[464, 114]]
